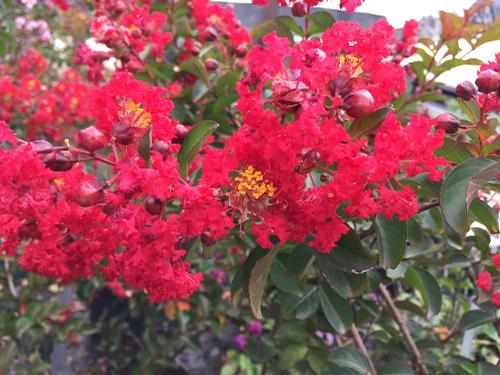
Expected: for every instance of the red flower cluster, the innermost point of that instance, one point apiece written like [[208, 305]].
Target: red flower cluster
[[47, 110], [488, 283], [348, 5], [130, 32], [341, 76]]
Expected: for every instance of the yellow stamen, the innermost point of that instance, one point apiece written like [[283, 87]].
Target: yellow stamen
[[251, 183]]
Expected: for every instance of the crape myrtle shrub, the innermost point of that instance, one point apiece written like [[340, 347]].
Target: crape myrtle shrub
[[287, 181]]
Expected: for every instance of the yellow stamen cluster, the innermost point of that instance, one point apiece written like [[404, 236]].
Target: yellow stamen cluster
[[142, 119], [251, 183], [354, 61]]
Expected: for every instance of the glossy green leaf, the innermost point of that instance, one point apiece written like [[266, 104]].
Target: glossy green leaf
[[453, 152], [427, 286], [258, 280], [192, 144], [199, 90], [280, 277], [290, 24], [350, 358], [337, 311], [369, 123], [394, 368], [292, 354], [320, 21], [391, 240], [318, 359], [482, 213], [474, 318], [461, 186]]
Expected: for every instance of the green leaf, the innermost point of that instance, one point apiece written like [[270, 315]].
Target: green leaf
[[482, 213], [348, 285], [350, 358], [336, 309], [307, 306], [290, 24], [199, 90], [145, 146], [414, 232], [368, 124], [474, 318], [258, 279], [7, 355], [391, 239], [471, 109], [320, 21], [318, 359], [7, 43], [192, 144], [427, 286], [485, 368], [292, 354], [280, 277], [453, 152], [349, 255], [394, 368], [461, 186], [261, 350]]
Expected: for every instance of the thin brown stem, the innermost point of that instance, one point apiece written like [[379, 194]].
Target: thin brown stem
[[361, 346], [404, 329]]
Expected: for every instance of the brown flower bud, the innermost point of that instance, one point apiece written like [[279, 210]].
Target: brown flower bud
[[240, 51], [448, 122], [488, 81], [59, 161], [287, 95], [154, 206], [207, 239], [91, 139], [122, 133], [209, 34], [88, 194], [299, 9], [308, 158], [466, 90], [211, 64], [360, 103]]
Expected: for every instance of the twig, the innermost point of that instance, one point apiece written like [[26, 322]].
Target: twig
[[10, 281], [404, 330], [360, 344]]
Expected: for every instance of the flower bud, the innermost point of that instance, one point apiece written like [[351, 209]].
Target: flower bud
[[122, 133], [466, 90], [240, 51], [41, 146], [308, 158], [207, 239], [91, 139], [360, 103], [287, 95], [488, 81], [180, 133], [324, 177], [29, 230], [299, 9], [209, 34], [162, 147], [88, 194], [67, 239], [59, 161], [211, 64], [341, 85], [182, 243], [154, 206], [448, 122]]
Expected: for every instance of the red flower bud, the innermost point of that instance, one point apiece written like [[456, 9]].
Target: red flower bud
[[466, 90], [162, 147], [360, 103], [299, 9], [488, 81], [91, 139], [180, 133], [59, 161], [287, 95], [209, 34], [211, 64], [41, 146], [122, 133], [448, 122], [154, 205], [207, 239], [324, 177], [88, 194], [182, 243], [341, 85], [195, 48], [308, 158], [240, 51]]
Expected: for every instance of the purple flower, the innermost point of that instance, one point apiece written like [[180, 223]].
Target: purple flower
[[219, 275], [240, 341], [255, 328]]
